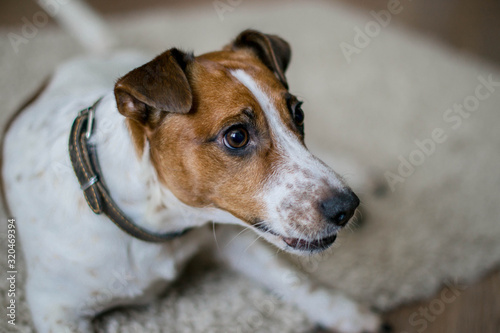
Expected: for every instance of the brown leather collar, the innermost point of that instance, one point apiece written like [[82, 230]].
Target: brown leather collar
[[85, 163]]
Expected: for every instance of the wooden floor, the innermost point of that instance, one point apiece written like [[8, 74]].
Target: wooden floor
[[475, 309], [465, 25]]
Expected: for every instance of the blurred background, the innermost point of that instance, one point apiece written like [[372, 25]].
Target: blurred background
[[469, 28]]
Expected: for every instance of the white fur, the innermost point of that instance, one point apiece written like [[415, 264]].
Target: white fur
[[280, 192], [79, 263]]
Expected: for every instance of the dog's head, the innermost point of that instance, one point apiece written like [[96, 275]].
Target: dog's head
[[224, 131]]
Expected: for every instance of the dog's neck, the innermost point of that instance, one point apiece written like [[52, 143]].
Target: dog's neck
[[132, 180]]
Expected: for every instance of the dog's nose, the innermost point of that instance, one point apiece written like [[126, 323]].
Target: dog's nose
[[340, 208]]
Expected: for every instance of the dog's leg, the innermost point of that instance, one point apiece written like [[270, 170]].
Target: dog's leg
[[324, 306], [55, 312]]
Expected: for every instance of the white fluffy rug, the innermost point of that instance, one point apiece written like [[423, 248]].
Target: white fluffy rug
[[440, 223]]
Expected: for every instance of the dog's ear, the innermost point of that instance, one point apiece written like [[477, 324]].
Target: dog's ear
[[272, 50], [157, 87]]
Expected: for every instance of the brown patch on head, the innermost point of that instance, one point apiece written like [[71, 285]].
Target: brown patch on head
[[183, 107], [271, 50], [138, 135], [189, 151], [146, 94]]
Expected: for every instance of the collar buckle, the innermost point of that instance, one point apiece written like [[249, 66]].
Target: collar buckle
[[90, 123], [83, 155], [90, 111]]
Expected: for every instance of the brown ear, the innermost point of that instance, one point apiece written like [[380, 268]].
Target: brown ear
[[273, 51], [159, 86]]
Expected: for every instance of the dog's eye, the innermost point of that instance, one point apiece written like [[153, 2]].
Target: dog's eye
[[236, 137], [298, 115]]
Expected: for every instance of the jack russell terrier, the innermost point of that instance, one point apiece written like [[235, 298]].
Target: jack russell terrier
[[131, 182]]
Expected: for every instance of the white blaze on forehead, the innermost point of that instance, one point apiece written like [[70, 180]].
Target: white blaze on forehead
[[301, 180], [288, 143], [282, 135]]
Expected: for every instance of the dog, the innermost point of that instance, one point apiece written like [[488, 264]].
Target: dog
[[102, 180]]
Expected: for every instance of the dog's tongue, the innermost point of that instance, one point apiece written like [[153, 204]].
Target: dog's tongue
[[303, 244], [294, 242]]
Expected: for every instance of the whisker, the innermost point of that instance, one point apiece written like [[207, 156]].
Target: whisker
[[215, 236], [236, 236], [255, 240]]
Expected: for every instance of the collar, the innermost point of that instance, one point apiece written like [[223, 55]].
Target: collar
[[83, 156]]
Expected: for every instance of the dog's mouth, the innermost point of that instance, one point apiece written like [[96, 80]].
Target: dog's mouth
[[302, 244], [307, 245]]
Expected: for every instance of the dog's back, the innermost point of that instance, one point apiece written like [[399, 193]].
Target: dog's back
[[40, 186], [35, 156]]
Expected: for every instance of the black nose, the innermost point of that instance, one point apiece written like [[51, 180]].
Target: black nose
[[340, 208]]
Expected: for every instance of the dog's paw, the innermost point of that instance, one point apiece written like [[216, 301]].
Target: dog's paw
[[363, 321], [348, 318]]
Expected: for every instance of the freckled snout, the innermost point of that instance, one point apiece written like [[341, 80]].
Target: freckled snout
[[339, 208]]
